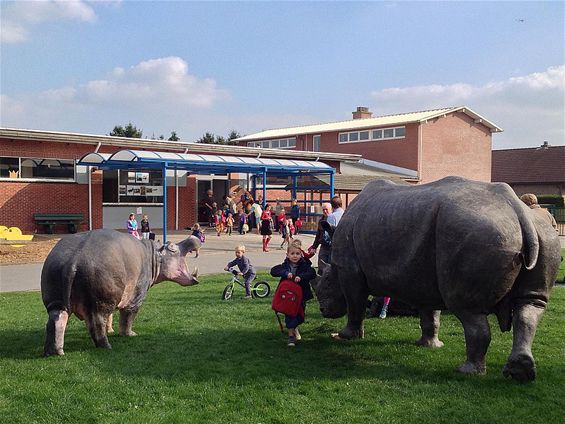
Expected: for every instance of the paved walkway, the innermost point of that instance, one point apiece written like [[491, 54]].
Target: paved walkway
[[214, 255]]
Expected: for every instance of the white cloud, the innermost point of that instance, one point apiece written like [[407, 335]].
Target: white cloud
[[18, 18], [530, 108], [160, 93]]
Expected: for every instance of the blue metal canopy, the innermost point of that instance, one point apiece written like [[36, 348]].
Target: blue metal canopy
[[205, 164]]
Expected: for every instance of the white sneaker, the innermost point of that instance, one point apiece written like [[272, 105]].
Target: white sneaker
[[297, 335]]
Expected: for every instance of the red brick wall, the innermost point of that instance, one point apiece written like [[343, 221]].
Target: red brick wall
[[400, 152], [20, 200], [455, 145]]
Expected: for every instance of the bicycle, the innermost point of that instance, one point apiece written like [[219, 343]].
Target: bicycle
[[260, 289]]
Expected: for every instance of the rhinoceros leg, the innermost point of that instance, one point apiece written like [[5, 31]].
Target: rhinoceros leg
[[55, 332], [109, 323], [126, 322], [521, 365], [477, 341], [429, 323], [96, 324], [354, 288]]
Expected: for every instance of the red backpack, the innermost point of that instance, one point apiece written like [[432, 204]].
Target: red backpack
[[288, 299]]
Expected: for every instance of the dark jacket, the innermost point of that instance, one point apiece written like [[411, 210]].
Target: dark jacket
[[322, 237], [295, 212], [304, 271], [145, 226]]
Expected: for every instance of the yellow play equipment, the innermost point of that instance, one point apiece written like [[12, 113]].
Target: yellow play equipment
[[13, 234]]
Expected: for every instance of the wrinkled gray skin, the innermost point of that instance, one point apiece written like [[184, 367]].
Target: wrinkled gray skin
[[473, 248], [91, 274]]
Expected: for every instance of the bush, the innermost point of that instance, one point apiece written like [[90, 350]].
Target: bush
[[551, 199]]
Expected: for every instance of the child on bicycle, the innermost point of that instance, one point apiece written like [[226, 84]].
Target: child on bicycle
[[245, 268], [298, 269]]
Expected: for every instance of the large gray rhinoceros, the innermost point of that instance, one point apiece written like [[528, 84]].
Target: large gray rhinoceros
[[91, 274], [466, 246]]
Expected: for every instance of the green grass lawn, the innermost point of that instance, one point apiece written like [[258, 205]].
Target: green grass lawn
[[200, 359], [561, 274]]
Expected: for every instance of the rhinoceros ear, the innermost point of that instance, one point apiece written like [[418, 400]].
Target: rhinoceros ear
[[171, 247], [322, 267], [188, 245]]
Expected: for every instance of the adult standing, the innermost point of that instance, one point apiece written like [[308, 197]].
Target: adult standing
[[208, 204], [257, 211], [322, 239], [278, 208], [294, 212], [337, 213]]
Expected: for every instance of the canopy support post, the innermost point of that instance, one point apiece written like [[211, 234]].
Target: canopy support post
[[164, 171]]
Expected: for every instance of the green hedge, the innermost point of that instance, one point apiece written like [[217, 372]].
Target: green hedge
[[551, 199]]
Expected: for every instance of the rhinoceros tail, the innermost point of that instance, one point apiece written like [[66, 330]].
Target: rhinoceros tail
[[530, 241]]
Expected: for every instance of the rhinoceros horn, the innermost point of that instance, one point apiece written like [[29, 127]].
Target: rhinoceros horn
[[189, 244]]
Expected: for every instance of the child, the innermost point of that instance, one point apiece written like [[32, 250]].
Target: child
[[229, 223], [281, 218], [266, 227], [291, 231], [219, 221], [285, 232], [298, 226], [245, 268], [298, 269], [242, 221], [132, 226], [197, 232], [145, 228]]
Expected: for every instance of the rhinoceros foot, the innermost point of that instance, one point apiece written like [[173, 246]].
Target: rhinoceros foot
[[429, 342], [471, 368], [53, 352], [521, 368], [348, 334]]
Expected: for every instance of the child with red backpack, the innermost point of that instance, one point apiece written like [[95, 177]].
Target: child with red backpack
[[298, 270]]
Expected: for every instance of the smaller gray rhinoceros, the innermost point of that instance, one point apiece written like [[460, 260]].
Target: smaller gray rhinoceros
[[470, 247], [91, 274]]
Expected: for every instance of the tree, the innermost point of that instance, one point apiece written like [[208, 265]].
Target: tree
[[207, 138], [174, 136], [210, 138], [129, 131], [233, 135]]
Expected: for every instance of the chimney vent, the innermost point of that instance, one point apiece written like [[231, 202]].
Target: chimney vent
[[362, 112]]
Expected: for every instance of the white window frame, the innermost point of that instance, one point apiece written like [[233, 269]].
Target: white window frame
[[289, 143], [372, 132]]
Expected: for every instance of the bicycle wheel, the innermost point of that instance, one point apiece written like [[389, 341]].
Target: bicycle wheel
[[261, 289], [228, 292]]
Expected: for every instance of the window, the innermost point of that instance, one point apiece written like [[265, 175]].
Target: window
[[9, 167], [368, 135], [316, 141], [37, 168], [283, 143]]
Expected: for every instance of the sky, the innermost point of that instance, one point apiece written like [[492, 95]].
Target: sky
[[196, 67]]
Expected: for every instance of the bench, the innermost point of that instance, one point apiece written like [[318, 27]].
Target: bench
[[49, 220]]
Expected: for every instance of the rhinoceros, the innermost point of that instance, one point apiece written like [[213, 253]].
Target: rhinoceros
[[91, 274], [470, 247]]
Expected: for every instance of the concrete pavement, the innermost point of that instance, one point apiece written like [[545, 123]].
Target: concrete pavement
[[214, 255]]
